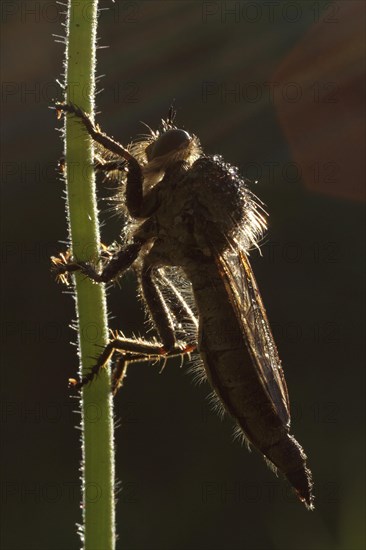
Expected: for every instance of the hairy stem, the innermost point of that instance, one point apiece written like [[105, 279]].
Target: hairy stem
[[98, 527]]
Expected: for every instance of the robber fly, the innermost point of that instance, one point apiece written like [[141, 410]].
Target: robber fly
[[193, 218]]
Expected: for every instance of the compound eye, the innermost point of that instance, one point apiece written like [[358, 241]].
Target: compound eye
[[171, 140]]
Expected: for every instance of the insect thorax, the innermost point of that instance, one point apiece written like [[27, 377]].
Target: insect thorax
[[202, 208]]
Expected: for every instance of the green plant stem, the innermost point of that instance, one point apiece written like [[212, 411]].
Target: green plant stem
[[96, 404]]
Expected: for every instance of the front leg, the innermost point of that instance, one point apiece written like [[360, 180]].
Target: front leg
[[134, 187]]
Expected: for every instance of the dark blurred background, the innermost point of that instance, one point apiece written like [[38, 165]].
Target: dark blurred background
[[277, 88]]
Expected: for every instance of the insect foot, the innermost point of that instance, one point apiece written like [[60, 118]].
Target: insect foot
[[67, 108], [62, 266]]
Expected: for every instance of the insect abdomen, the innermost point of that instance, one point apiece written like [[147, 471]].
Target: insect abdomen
[[234, 377]]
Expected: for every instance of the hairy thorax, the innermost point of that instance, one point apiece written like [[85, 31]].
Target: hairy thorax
[[200, 209]]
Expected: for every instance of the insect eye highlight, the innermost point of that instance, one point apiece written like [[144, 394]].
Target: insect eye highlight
[[169, 141]]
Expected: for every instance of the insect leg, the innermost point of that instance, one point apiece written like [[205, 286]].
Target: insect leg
[[95, 132], [132, 351], [138, 206], [134, 186], [158, 309], [118, 263]]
